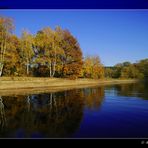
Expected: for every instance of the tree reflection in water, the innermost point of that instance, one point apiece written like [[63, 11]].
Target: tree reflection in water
[[2, 114], [48, 115], [28, 103], [93, 97], [133, 90]]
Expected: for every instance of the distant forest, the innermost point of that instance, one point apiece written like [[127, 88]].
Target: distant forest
[[128, 70], [55, 53]]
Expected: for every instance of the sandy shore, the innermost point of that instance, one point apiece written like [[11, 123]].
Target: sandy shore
[[28, 85]]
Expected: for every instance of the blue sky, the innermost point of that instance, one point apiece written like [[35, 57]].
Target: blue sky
[[115, 35]]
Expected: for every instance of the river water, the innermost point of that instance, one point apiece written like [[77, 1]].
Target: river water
[[113, 111]]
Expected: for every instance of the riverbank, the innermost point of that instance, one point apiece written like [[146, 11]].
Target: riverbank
[[37, 85]]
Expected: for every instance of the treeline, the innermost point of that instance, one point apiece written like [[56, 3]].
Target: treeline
[[48, 53], [137, 70], [55, 53]]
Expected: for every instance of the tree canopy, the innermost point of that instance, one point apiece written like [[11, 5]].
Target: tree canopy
[[51, 53], [56, 53]]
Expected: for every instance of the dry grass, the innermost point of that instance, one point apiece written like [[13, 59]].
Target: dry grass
[[31, 84]]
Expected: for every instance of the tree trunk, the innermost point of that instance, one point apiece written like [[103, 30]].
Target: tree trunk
[[53, 72], [54, 63], [1, 69], [27, 69], [50, 69]]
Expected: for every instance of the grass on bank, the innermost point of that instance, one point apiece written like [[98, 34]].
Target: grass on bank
[[36, 85], [38, 82]]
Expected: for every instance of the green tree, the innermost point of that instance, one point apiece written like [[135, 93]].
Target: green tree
[[117, 70], [108, 72], [126, 63], [142, 65]]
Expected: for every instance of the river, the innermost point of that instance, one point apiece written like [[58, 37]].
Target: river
[[112, 111]]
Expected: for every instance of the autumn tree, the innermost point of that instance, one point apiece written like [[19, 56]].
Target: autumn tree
[[12, 57], [93, 67], [72, 57], [27, 51], [59, 51], [6, 28], [48, 49]]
